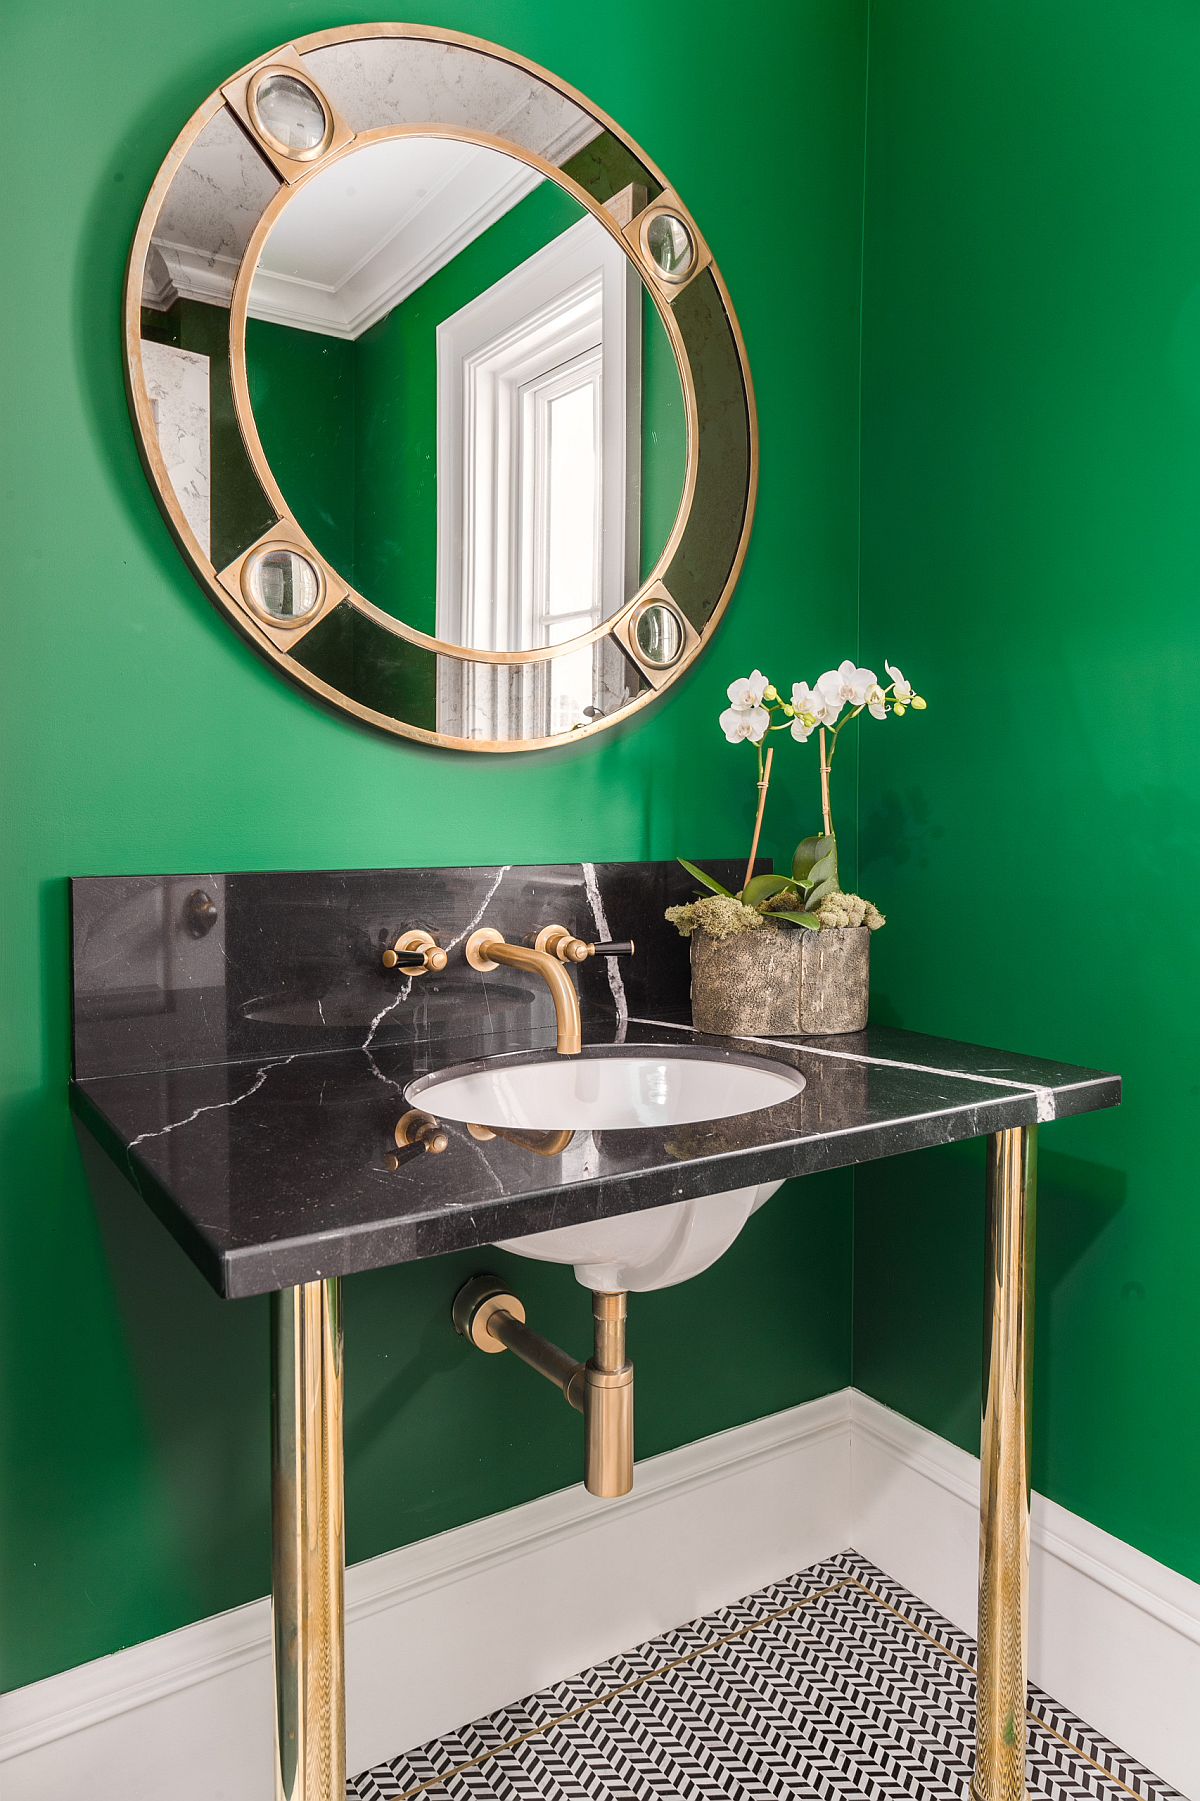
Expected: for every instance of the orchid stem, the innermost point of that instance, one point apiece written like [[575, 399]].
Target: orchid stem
[[826, 815], [764, 782]]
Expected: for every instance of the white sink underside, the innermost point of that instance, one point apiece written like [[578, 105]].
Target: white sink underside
[[646, 1086]]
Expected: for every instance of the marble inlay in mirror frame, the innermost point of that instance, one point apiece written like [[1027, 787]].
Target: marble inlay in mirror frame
[[205, 221]]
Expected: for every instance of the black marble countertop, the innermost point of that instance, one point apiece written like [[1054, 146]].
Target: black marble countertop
[[272, 1171]]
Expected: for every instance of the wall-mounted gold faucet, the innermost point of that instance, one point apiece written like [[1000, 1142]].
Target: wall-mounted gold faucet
[[553, 951], [492, 1319], [487, 949]]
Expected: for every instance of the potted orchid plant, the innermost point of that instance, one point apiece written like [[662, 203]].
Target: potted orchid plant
[[789, 953]]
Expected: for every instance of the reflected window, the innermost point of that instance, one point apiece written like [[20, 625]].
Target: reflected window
[[539, 414]]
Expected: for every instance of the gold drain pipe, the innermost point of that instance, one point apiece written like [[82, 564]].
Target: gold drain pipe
[[492, 1319]]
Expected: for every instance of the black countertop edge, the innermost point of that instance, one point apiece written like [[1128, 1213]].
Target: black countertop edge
[[208, 1260], [257, 1205], [240, 1273]]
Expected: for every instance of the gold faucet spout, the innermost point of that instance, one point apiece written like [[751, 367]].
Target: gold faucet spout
[[486, 948]]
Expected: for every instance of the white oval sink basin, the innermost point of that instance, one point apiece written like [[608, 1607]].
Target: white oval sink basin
[[652, 1085], [644, 1086]]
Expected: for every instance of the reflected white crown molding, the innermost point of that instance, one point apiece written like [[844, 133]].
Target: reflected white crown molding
[[424, 240]]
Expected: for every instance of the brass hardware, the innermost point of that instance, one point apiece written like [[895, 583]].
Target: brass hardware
[[476, 1304], [556, 941], [416, 953], [542, 1144], [492, 1319], [416, 1132], [487, 949], [999, 1773], [277, 645], [608, 1401], [308, 1542]]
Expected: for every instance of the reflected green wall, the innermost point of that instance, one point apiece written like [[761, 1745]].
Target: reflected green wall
[[1031, 552], [138, 732], [376, 519]]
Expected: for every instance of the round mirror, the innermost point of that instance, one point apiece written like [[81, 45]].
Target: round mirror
[[288, 113], [439, 389], [659, 635], [467, 394], [281, 584], [670, 244]]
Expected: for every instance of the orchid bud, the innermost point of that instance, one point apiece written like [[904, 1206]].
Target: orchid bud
[[918, 703], [770, 692], [899, 708]]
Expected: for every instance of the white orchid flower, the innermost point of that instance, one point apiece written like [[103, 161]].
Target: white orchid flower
[[740, 723], [901, 690], [813, 708], [849, 683], [749, 690], [829, 696], [876, 702]]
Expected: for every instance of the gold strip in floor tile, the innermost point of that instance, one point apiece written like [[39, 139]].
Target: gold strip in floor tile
[[676, 1663], [433, 1783], [1029, 1713]]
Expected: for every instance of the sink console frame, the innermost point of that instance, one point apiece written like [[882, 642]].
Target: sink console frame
[[169, 1027]]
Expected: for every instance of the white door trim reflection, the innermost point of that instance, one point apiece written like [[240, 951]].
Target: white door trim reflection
[[568, 317]]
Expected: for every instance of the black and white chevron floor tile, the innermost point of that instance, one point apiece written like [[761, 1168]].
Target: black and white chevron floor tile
[[834, 1685]]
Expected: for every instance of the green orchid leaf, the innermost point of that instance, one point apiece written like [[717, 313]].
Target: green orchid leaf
[[706, 881], [806, 854], [816, 895], [762, 887], [800, 919], [823, 874]]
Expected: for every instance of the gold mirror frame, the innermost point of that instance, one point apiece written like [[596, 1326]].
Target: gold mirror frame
[[277, 641]]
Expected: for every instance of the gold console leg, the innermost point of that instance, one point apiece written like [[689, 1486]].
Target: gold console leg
[[307, 1522], [999, 1773]]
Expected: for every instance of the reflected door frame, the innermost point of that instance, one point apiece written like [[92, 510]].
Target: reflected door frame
[[576, 297]]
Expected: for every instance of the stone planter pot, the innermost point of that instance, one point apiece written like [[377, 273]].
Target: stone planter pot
[[781, 981]]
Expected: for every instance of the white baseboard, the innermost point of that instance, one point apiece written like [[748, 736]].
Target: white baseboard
[[1114, 1636], [448, 1629]]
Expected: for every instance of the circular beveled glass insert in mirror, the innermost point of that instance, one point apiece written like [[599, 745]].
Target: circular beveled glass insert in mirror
[[659, 635], [288, 113], [281, 584], [670, 245], [467, 393]]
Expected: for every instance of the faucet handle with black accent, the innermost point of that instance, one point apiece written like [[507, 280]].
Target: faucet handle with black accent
[[417, 1135], [416, 953], [558, 942]]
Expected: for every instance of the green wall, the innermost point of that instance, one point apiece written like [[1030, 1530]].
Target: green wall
[[1031, 552], [139, 733]]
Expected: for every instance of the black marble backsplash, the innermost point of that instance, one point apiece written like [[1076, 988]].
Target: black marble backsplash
[[179, 970]]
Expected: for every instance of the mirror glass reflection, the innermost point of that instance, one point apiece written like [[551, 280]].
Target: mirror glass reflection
[[469, 400]]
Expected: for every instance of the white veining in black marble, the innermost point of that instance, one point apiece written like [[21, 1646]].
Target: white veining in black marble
[[249, 1079]]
